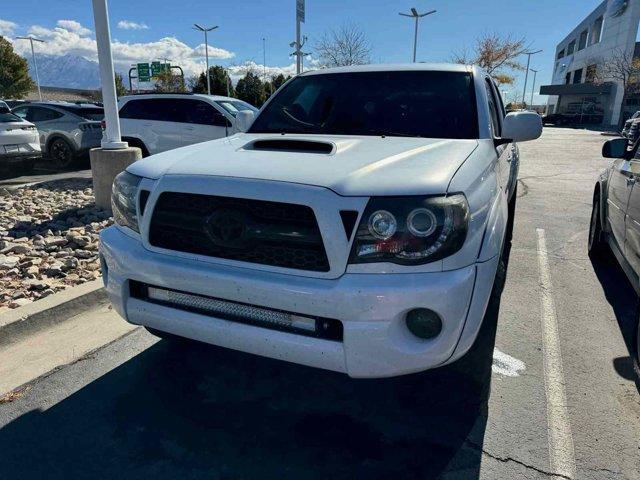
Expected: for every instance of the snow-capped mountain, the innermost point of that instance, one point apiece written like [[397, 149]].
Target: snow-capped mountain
[[67, 71]]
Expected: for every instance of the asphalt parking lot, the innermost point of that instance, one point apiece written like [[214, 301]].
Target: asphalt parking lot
[[548, 391]]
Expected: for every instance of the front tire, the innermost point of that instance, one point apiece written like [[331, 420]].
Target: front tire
[[61, 153], [597, 246]]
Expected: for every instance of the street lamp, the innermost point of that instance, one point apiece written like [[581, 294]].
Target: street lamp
[[526, 76], [35, 63], [535, 72], [417, 16], [206, 50]]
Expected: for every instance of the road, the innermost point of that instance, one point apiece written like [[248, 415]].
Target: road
[[556, 399]]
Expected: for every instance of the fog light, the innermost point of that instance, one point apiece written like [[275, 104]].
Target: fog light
[[424, 323]]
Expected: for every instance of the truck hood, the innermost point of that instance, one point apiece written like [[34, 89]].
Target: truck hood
[[354, 166]]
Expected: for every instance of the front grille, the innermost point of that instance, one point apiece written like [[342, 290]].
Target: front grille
[[273, 319], [254, 231]]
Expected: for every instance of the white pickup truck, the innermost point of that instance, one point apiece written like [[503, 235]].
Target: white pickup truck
[[356, 225]]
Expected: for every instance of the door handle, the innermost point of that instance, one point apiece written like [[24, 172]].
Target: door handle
[[631, 181]]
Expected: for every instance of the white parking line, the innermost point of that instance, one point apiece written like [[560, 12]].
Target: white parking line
[[561, 452]]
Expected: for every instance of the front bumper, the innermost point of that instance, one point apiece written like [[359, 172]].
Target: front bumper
[[371, 307]]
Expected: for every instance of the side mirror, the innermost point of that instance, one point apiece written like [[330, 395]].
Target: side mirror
[[521, 126], [244, 119], [615, 148]]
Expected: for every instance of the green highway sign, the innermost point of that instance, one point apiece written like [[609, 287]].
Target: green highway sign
[[144, 73], [156, 69]]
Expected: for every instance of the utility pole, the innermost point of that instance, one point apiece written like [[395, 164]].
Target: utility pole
[[35, 63], [299, 54], [526, 76], [206, 51], [535, 72], [300, 17], [417, 16]]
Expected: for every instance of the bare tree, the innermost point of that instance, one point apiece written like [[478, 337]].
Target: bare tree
[[345, 45], [496, 54], [623, 68]]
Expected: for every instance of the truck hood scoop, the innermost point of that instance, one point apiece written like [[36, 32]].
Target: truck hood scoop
[[291, 145]]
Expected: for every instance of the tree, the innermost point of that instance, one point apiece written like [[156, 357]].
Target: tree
[[497, 55], [219, 81], [168, 82], [623, 68], [15, 81], [278, 81], [251, 89], [120, 88], [346, 45]]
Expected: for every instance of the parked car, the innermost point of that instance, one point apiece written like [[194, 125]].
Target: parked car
[[159, 122], [19, 143], [615, 216], [358, 225], [628, 123], [67, 130]]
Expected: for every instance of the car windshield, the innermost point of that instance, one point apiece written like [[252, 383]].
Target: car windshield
[[234, 106], [396, 103], [9, 117], [88, 113]]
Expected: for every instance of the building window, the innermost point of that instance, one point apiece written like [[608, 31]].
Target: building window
[[571, 48], [577, 76], [567, 78], [583, 40], [560, 54], [592, 72], [596, 31]]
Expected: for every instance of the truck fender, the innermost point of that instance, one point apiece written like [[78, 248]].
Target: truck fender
[[495, 229]]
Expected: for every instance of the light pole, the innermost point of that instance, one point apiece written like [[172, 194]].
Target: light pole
[[417, 16], [35, 63], [526, 76], [206, 50], [535, 72]]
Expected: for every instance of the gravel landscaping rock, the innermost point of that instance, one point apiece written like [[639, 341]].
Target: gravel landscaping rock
[[48, 239]]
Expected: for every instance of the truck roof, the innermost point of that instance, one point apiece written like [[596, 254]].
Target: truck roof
[[395, 67]]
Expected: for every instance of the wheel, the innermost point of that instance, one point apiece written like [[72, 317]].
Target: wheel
[[61, 153], [134, 142], [597, 246]]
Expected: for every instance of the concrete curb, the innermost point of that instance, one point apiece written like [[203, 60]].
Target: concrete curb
[[50, 310]]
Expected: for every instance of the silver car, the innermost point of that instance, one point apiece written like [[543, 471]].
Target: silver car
[[67, 130], [615, 218]]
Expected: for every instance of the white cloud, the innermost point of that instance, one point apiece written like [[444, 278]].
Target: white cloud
[[129, 25], [7, 28], [70, 37], [73, 26], [236, 72]]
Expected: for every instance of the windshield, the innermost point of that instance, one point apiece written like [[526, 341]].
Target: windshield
[[88, 113], [234, 106], [9, 117], [399, 103]]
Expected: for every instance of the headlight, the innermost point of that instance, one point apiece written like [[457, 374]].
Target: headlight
[[123, 200], [411, 230]]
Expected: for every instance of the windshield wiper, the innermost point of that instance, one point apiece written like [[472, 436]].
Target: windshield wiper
[[286, 111], [382, 133]]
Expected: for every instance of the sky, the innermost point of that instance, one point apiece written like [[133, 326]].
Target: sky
[[147, 30]]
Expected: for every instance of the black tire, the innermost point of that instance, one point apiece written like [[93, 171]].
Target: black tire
[[597, 245], [134, 142], [61, 154], [636, 356]]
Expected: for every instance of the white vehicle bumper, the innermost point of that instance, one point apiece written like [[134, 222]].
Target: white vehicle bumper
[[371, 307]]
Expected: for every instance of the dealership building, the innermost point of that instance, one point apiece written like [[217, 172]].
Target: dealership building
[[577, 89]]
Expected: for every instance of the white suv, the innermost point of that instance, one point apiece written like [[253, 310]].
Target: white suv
[[159, 122], [356, 226]]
